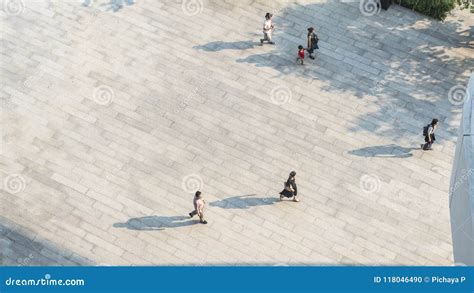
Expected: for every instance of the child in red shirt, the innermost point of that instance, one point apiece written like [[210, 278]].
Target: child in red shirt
[[300, 54]]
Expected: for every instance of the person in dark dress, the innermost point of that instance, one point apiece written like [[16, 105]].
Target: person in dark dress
[[312, 42], [290, 190]]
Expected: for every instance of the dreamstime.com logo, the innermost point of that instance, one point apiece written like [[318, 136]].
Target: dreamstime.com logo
[[369, 7], [378, 87], [369, 183], [457, 95], [45, 281], [103, 95], [192, 183], [13, 7], [281, 95], [192, 7], [14, 183]]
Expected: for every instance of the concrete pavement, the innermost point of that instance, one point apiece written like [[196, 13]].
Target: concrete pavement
[[115, 112]]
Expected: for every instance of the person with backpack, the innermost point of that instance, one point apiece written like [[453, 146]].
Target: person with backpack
[[429, 134], [290, 190], [268, 27], [312, 42]]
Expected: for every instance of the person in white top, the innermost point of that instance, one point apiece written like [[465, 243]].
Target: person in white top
[[199, 204], [268, 28]]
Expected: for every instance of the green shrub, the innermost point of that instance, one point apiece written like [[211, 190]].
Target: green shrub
[[438, 9], [469, 4]]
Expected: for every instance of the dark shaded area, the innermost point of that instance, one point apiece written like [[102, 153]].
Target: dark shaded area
[[19, 247], [243, 202], [368, 57], [156, 223], [468, 41], [436, 9], [220, 45], [384, 151]]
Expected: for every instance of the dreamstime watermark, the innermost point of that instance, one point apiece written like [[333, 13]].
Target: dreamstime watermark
[[464, 228], [192, 183], [47, 280], [279, 6], [95, 12], [192, 7], [196, 92], [90, 4], [457, 95], [369, 7], [268, 197], [103, 95], [281, 95], [13, 7], [463, 178], [369, 183], [33, 79], [14, 183], [378, 87], [25, 261], [390, 109]]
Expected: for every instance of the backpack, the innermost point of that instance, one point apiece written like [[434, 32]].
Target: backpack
[[315, 40], [425, 130]]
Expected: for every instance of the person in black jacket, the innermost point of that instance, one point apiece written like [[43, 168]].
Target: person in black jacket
[[290, 189], [430, 135], [312, 42]]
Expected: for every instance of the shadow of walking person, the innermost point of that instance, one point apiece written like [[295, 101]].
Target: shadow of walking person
[[243, 202], [220, 45], [156, 223], [116, 5], [112, 5], [384, 151]]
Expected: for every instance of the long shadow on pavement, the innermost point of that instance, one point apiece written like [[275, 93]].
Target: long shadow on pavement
[[243, 202], [21, 247], [384, 151], [111, 5], [150, 223], [220, 45]]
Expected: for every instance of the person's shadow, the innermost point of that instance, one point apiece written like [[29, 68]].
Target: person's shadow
[[156, 223], [243, 202], [384, 151], [114, 5], [220, 45]]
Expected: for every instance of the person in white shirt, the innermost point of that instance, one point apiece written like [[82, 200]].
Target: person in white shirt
[[267, 29], [199, 204]]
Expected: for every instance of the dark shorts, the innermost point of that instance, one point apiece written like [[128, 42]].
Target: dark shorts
[[286, 193]]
